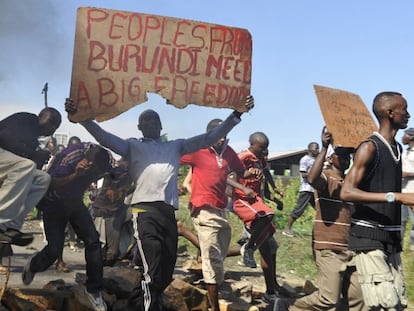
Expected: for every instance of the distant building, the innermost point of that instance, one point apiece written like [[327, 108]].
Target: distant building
[[62, 138], [285, 163]]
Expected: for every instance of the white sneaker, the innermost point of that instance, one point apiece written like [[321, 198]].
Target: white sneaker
[[96, 301], [288, 233]]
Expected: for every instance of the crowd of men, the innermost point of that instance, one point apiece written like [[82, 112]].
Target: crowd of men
[[357, 230]]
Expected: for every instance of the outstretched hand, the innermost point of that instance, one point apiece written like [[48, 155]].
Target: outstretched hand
[[248, 104], [326, 137], [70, 106]]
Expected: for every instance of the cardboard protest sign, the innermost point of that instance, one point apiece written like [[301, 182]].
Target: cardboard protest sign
[[120, 56], [345, 115]]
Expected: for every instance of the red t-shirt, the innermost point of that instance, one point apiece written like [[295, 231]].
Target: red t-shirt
[[209, 177], [250, 161]]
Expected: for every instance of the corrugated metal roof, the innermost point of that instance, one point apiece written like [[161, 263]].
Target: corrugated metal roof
[[276, 155]]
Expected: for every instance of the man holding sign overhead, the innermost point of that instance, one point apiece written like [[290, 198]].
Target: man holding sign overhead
[[118, 58], [153, 165]]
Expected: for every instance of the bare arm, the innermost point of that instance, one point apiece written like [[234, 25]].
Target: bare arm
[[249, 192], [269, 179], [350, 190], [314, 176], [407, 175], [207, 139], [187, 181]]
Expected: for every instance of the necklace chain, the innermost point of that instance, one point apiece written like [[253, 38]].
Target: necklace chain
[[396, 158]]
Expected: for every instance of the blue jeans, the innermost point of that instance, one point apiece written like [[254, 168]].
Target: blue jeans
[[55, 221]]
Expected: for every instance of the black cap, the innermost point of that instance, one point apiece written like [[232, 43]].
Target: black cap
[[344, 151]]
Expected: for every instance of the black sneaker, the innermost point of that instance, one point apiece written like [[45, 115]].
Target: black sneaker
[[282, 291], [269, 298], [242, 241], [109, 262], [27, 274], [277, 305], [14, 236], [282, 304]]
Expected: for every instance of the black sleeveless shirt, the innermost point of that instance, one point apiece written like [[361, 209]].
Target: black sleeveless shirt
[[375, 225]]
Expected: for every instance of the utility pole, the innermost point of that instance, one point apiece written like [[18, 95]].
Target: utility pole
[[44, 91]]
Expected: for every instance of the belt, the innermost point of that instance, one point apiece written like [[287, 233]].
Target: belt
[[368, 224]]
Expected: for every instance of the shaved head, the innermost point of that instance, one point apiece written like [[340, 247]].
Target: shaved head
[[258, 137], [383, 102], [147, 114]]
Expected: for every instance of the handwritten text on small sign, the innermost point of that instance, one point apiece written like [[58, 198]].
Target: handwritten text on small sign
[[345, 115]]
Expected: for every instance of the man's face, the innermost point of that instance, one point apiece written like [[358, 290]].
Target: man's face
[[49, 127], [259, 149], [314, 150], [218, 146], [150, 124], [92, 169], [400, 114], [406, 139], [341, 162]]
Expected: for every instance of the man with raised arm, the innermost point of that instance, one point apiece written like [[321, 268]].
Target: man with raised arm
[[153, 165]]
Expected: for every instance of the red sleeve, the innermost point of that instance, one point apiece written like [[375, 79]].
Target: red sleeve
[[246, 159], [187, 159]]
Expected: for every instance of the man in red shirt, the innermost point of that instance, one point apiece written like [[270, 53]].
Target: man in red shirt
[[257, 216], [210, 167]]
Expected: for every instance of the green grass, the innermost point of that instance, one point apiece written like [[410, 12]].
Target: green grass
[[408, 266], [294, 257]]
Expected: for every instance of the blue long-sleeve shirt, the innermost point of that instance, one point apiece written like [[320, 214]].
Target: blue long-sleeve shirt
[[153, 163]]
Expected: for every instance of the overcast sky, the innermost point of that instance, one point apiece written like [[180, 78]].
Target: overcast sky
[[363, 47]]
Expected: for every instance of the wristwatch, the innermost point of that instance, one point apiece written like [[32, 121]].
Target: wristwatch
[[390, 197]]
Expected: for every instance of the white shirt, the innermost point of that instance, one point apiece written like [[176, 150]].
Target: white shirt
[[305, 165], [408, 167]]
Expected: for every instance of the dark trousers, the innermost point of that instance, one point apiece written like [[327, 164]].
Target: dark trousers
[[55, 221], [305, 198], [157, 237], [113, 229]]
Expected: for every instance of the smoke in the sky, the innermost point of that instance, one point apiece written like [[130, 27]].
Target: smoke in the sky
[[33, 48]]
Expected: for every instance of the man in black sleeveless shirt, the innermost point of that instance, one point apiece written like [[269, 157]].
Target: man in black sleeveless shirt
[[374, 185]]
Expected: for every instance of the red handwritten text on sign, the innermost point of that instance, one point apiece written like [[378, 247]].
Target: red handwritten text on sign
[[345, 115], [120, 56]]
